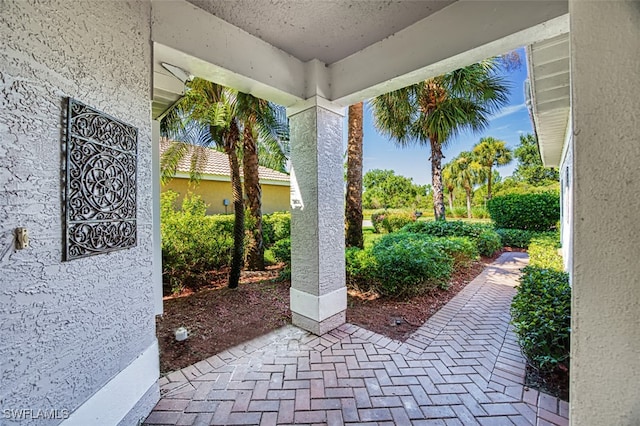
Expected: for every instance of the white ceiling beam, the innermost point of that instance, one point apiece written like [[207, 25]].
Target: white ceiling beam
[[208, 47], [458, 35]]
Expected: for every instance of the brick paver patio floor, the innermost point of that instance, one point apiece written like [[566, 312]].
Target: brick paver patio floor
[[462, 367]]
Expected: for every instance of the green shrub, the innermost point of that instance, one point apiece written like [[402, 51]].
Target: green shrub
[[463, 250], [408, 264], [281, 250], [440, 228], [533, 212], [391, 220], [479, 213], [275, 227], [543, 252], [489, 242], [518, 238], [541, 315], [192, 243], [376, 220], [459, 212], [361, 269], [395, 221]]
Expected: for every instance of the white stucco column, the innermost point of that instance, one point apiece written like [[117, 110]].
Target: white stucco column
[[318, 291], [155, 195], [605, 342]]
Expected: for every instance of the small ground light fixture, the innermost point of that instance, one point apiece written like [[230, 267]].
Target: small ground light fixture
[[181, 334]]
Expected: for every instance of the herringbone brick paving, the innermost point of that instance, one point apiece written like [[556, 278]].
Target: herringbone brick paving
[[462, 367]]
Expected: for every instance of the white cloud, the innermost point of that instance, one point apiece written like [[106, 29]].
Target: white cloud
[[508, 111]]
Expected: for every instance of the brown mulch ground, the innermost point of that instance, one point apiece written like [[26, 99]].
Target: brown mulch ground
[[555, 383], [219, 318]]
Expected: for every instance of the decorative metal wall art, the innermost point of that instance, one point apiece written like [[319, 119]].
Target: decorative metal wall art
[[100, 203]]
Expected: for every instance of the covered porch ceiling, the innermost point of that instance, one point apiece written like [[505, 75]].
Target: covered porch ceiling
[[288, 51], [550, 95]]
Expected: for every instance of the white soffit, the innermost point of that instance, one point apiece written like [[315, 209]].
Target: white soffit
[[550, 90], [327, 30], [390, 44]]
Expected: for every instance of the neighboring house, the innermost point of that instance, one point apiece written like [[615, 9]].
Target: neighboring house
[[214, 185]]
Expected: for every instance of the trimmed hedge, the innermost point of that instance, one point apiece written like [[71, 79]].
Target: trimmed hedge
[[543, 252], [192, 243], [541, 315], [276, 227], [361, 269], [391, 221], [486, 239], [403, 264], [463, 250], [533, 212], [409, 264]]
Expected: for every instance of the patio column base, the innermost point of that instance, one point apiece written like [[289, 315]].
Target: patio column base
[[319, 327]]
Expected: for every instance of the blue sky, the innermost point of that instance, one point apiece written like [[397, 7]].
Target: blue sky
[[507, 125]]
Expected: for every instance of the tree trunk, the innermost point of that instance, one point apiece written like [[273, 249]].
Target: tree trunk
[[353, 204], [451, 200], [255, 246], [436, 180], [468, 190], [238, 224], [489, 182]]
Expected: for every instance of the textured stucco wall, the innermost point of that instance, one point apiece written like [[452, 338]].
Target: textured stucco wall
[[605, 344], [68, 327], [275, 198]]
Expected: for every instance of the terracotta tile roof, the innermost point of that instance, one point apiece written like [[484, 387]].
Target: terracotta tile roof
[[217, 163]]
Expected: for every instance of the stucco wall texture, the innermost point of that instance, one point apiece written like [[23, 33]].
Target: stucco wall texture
[[68, 327], [275, 198], [605, 321]]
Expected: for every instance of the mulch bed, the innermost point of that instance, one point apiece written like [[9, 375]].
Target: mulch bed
[[554, 383]]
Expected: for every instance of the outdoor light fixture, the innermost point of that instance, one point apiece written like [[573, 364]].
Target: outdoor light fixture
[[177, 72], [181, 334]]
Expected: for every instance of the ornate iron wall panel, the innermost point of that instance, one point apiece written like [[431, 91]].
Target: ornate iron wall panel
[[100, 182]]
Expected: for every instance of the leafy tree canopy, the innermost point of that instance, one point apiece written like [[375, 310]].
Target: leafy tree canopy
[[530, 168], [385, 189]]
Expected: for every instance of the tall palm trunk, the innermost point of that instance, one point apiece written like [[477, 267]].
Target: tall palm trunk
[[353, 205], [451, 200], [468, 191], [238, 207], [489, 181], [436, 179], [255, 246]]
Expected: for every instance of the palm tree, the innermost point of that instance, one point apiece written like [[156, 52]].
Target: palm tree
[[435, 110], [492, 152], [207, 116], [466, 172], [265, 126], [353, 205], [448, 182]]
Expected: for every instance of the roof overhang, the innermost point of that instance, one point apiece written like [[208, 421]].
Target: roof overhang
[[550, 101], [359, 49], [227, 178]]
